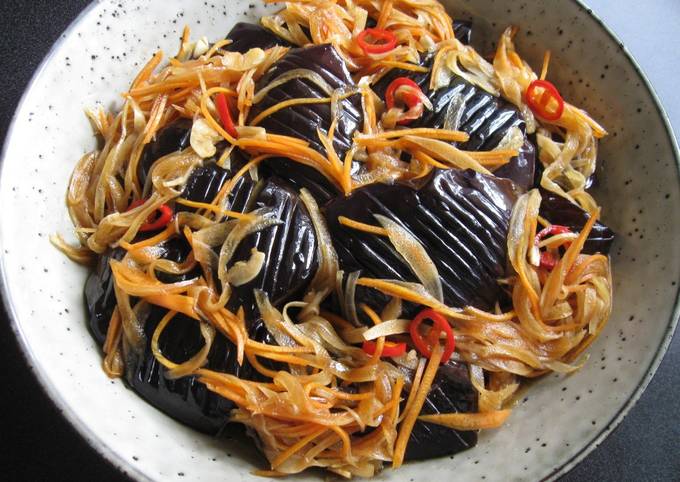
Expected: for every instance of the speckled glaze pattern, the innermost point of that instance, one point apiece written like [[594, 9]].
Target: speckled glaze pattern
[[559, 417]]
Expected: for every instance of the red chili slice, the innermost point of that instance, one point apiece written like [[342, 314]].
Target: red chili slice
[[390, 349], [162, 219], [225, 114], [548, 260], [387, 38], [545, 100], [551, 231], [424, 345], [409, 96]]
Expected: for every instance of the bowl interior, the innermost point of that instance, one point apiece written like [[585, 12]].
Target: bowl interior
[[558, 418]]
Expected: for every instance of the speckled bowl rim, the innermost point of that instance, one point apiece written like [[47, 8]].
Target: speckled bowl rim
[[128, 469]]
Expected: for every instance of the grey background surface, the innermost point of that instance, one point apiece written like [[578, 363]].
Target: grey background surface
[[36, 443]]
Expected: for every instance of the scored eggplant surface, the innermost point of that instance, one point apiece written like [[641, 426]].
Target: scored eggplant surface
[[451, 392], [172, 138], [290, 249], [486, 118], [206, 181], [302, 121], [460, 217], [183, 399], [246, 36], [558, 210]]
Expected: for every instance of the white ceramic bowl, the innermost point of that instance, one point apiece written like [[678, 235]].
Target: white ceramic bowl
[[560, 420]]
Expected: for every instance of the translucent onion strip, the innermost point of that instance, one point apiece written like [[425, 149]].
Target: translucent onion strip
[[415, 255]]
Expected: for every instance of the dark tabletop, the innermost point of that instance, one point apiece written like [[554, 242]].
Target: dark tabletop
[[36, 443]]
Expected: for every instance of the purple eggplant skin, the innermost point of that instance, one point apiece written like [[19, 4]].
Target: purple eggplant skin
[[246, 36], [460, 217], [206, 181], [521, 168], [302, 121], [184, 399], [462, 29], [171, 138], [561, 211], [451, 392], [100, 298], [301, 176], [290, 249], [486, 118]]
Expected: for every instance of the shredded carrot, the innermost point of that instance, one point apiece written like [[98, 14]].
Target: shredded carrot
[[404, 293], [359, 226], [417, 378], [442, 134], [148, 69], [223, 391], [154, 240], [180, 303], [260, 347], [403, 66], [427, 159], [468, 421], [293, 449], [411, 417], [546, 63], [380, 343], [290, 103]]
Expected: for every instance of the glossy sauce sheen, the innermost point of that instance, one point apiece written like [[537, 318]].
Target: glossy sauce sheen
[[290, 248], [302, 121], [451, 392], [460, 217]]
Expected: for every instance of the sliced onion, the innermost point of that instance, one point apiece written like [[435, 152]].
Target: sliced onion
[[321, 330], [408, 246], [199, 359], [520, 239], [354, 336], [408, 360], [349, 306], [447, 153], [201, 47], [251, 132], [513, 140], [387, 328], [245, 271], [392, 310], [204, 138], [273, 320], [243, 228], [324, 279], [242, 62], [133, 327], [294, 74], [454, 113]]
